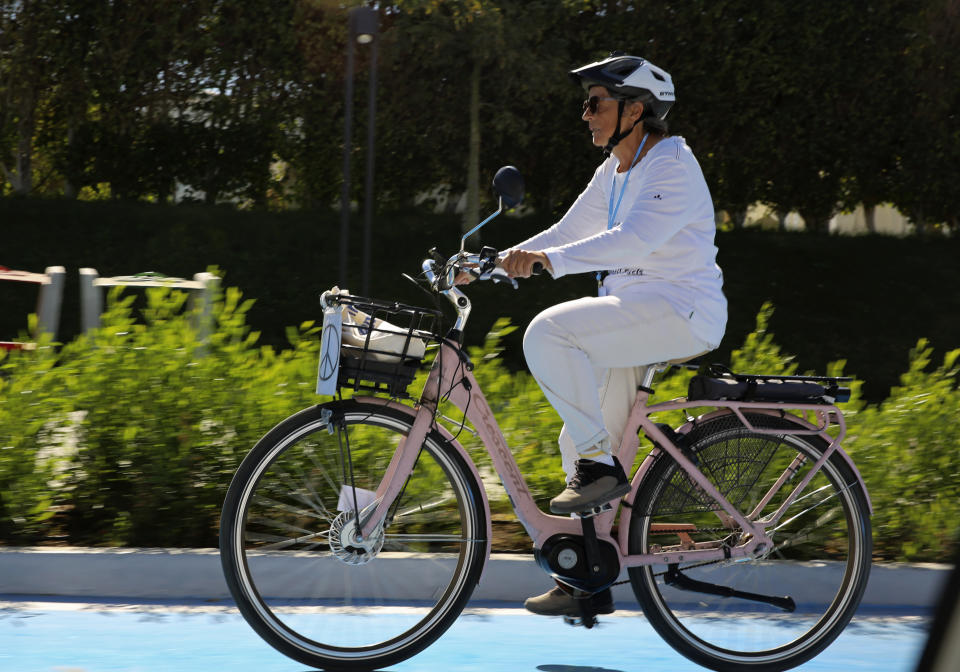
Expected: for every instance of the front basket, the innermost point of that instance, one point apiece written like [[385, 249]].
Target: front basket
[[383, 344]]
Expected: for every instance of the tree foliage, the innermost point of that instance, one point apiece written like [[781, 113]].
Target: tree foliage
[[810, 107]]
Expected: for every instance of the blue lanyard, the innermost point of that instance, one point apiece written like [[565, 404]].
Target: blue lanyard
[[611, 210]]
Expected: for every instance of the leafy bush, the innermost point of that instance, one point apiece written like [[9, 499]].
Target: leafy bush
[[908, 451], [142, 424], [130, 435], [34, 424]]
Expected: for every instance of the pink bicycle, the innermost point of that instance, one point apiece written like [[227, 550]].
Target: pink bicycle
[[355, 531]]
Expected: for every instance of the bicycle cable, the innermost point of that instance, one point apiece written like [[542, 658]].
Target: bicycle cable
[[442, 398]]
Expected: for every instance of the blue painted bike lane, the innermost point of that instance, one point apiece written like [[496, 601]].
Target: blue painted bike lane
[[97, 636]]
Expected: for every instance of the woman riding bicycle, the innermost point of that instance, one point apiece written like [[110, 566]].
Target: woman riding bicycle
[[645, 226], [349, 508]]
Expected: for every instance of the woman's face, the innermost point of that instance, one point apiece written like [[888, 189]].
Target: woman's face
[[602, 123]]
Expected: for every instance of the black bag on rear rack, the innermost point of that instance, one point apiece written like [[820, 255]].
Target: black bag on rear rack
[[734, 387]]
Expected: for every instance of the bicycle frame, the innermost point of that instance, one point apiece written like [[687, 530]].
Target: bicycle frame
[[280, 504], [447, 379]]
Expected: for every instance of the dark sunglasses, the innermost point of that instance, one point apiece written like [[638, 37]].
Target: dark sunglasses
[[592, 103]]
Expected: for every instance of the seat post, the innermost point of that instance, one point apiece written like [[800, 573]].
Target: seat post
[[649, 371]]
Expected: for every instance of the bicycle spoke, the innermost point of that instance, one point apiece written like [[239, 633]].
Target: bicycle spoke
[[315, 498], [311, 454], [431, 510], [806, 534], [443, 538], [292, 489], [318, 512], [277, 524], [833, 494], [276, 542]]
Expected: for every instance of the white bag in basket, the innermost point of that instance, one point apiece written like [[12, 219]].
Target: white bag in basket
[[386, 340]]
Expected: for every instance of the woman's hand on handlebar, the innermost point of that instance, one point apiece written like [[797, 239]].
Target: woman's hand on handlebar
[[466, 277], [522, 264], [515, 263]]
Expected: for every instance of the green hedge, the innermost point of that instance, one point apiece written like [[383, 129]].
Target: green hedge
[[129, 436], [867, 299]]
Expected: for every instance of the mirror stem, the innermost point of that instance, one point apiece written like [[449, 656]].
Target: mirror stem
[[463, 241]]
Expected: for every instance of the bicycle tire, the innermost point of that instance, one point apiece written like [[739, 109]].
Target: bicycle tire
[[321, 599], [822, 540]]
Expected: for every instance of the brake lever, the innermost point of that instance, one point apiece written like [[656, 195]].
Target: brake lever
[[436, 256], [498, 275]]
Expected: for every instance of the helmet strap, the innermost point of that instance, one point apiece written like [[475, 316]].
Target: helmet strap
[[618, 135]]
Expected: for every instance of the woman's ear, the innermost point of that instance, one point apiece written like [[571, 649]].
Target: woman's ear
[[638, 108]]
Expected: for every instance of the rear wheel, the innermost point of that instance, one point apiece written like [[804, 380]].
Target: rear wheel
[[293, 562], [820, 561]]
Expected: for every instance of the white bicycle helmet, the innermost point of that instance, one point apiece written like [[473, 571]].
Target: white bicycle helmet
[[629, 78]]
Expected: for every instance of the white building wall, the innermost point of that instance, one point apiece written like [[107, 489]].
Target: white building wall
[[887, 220]]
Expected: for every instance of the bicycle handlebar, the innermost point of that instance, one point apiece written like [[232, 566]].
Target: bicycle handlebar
[[442, 274], [487, 261]]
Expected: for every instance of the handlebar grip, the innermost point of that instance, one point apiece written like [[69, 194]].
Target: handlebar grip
[[537, 268]]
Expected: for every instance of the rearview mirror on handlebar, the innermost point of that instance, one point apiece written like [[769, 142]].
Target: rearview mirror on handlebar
[[508, 185]]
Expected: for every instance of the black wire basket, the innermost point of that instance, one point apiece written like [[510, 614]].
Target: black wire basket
[[383, 344]]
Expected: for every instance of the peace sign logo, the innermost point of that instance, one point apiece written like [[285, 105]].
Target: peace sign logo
[[329, 351]]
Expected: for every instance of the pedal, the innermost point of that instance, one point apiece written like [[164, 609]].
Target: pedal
[[580, 621], [595, 511]]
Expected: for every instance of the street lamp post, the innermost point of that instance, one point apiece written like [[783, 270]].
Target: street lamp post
[[363, 28]]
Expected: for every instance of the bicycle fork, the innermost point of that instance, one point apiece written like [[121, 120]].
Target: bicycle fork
[[401, 465]]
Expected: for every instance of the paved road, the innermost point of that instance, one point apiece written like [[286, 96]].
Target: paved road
[[97, 636]]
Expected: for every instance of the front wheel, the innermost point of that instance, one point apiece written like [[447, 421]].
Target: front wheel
[[768, 613], [299, 574]]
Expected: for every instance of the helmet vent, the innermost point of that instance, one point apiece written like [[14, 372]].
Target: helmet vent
[[658, 75]]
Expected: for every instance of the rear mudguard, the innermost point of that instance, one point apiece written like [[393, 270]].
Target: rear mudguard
[[625, 513]]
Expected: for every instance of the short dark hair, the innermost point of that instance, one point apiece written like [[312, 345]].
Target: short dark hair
[[656, 126], [651, 122]]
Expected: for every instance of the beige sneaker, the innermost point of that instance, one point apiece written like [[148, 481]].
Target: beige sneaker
[[558, 602], [592, 485]]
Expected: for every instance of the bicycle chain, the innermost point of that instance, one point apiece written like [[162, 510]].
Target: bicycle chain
[[701, 564]]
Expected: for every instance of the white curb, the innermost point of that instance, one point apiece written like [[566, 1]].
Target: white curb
[[171, 574]]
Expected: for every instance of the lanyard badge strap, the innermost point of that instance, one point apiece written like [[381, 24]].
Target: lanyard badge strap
[[612, 209]]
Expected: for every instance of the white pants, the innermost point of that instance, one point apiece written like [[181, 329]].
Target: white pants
[[587, 355]]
